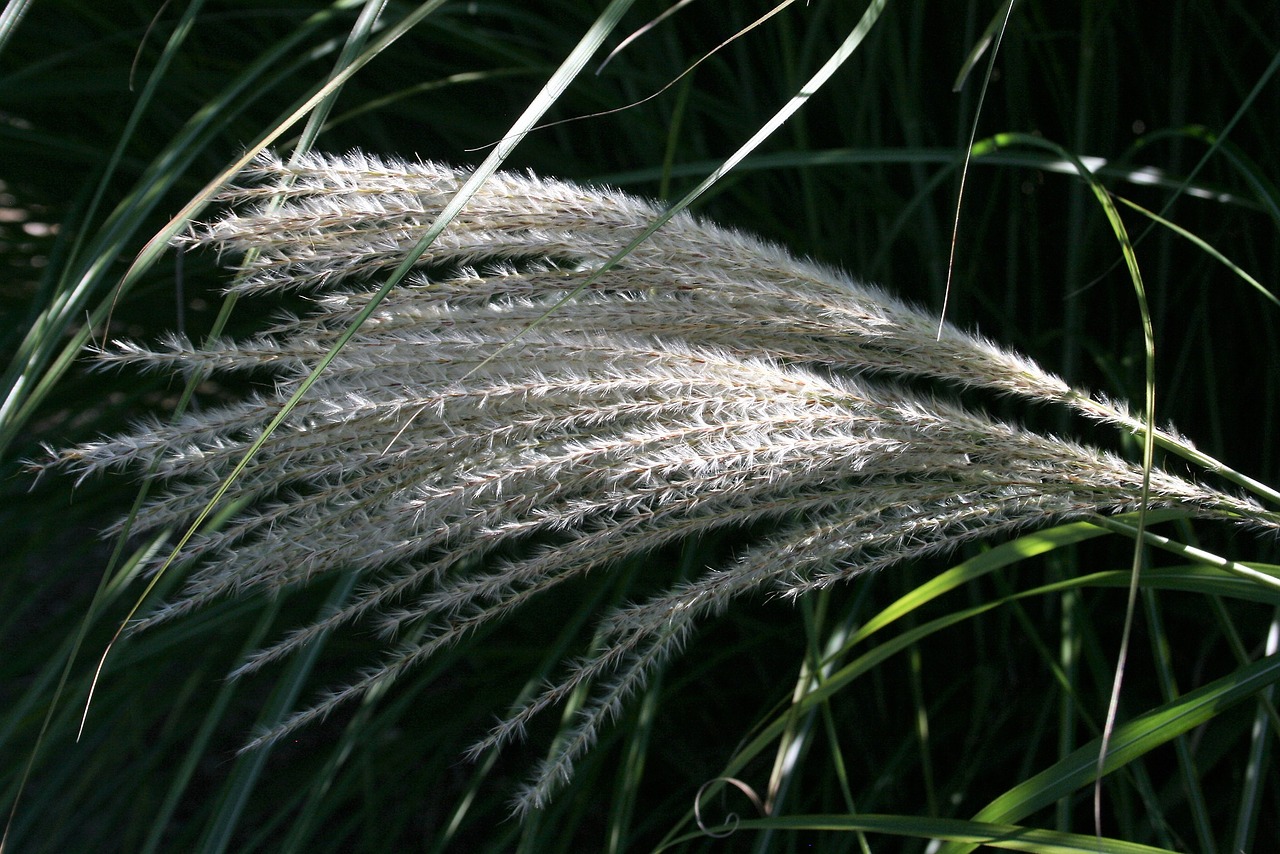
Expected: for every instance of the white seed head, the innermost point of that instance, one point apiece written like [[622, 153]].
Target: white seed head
[[707, 380]]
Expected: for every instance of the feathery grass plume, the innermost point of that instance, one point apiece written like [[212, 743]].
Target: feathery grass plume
[[707, 380]]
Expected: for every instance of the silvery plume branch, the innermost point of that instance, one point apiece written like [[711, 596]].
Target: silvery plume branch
[[705, 382]]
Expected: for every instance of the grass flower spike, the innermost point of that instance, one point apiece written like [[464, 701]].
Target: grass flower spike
[[707, 382]]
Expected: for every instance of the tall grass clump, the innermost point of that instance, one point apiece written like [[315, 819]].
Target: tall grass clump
[[464, 507], [705, 380]]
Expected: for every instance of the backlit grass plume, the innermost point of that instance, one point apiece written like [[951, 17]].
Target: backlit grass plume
[[708, 381]]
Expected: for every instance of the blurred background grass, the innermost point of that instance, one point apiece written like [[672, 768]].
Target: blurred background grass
[[865, 177]]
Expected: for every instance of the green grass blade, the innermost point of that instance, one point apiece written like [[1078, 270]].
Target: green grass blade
[[1261, 748], [1160, 642], [249, 766], [1130, 741], [10, 18], [1001, 836], [990, 560]]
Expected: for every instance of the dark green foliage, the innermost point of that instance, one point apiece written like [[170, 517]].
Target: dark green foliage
[[864, 177]]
